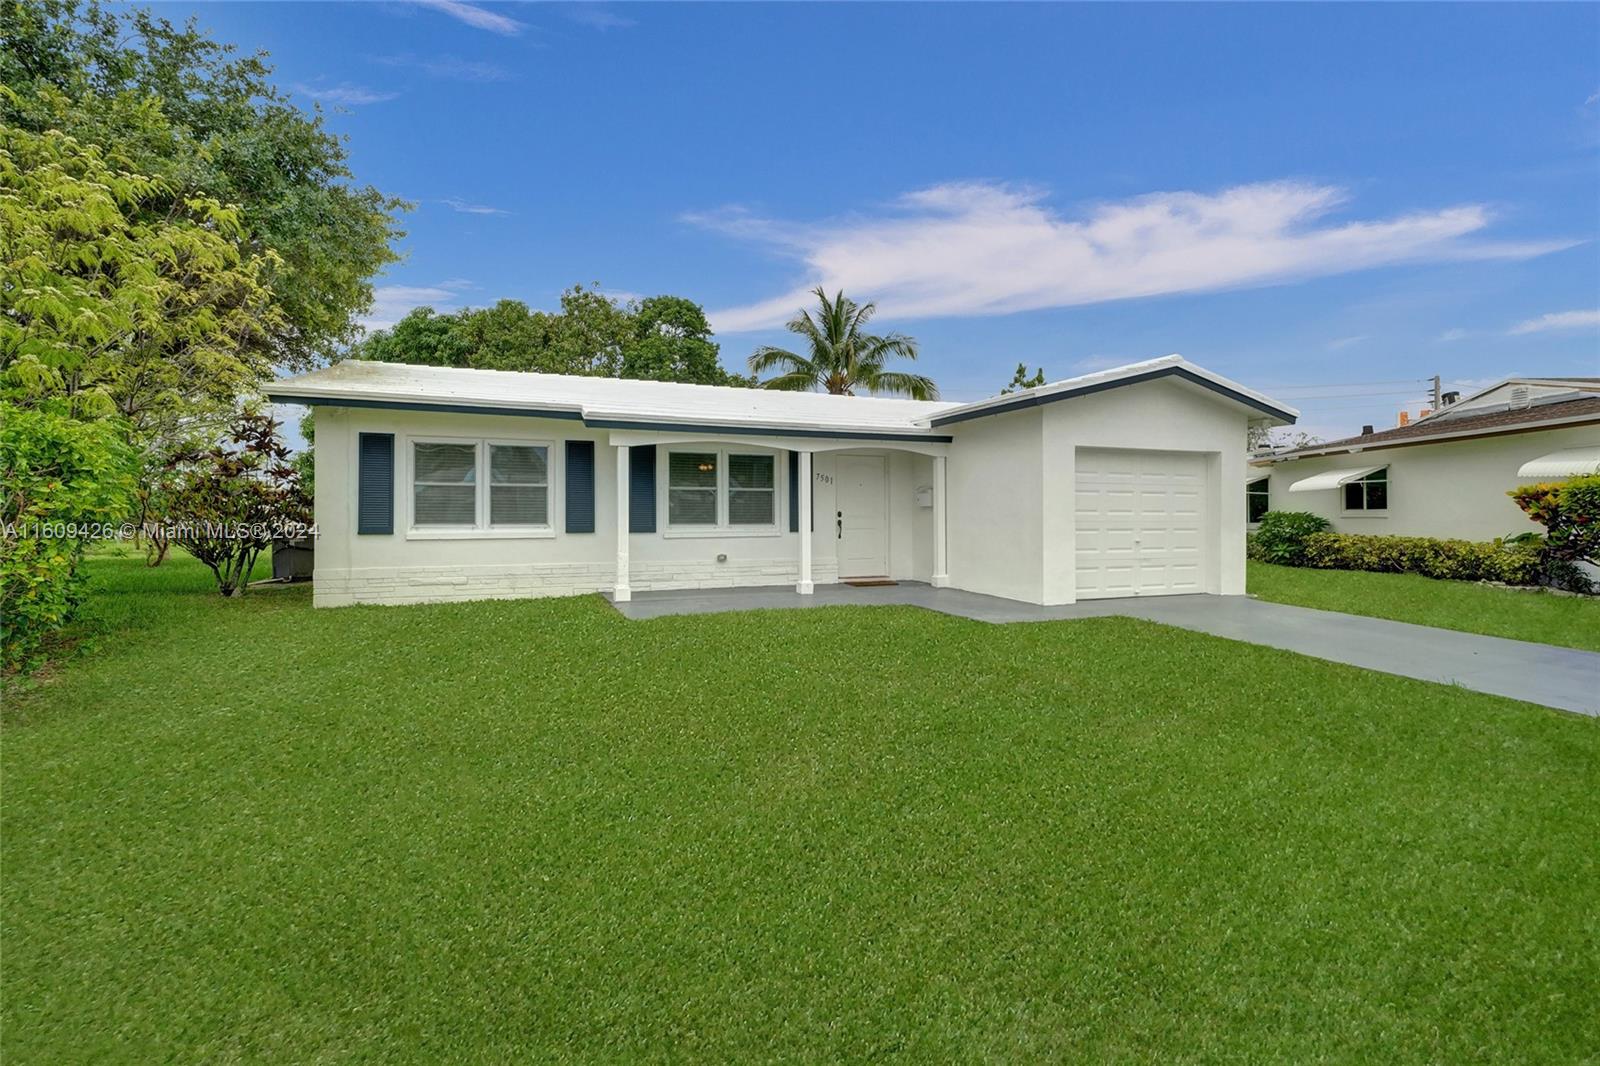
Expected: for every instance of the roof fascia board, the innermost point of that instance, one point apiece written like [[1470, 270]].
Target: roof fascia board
[[277, 396], [1435, 438], [1182, 373]]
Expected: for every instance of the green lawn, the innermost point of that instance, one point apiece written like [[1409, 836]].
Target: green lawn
[[1547, 618], [502, 832]]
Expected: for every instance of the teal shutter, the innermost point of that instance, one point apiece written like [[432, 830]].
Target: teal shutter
[[375, 483], [580, 486], [642, 489]]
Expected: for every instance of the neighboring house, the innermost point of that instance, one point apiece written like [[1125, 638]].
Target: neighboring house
[[1447, 474], [445, 484]]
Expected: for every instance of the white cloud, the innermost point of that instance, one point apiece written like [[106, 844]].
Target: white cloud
[[390, 303], [1453, 335], [1090, 363], [596, 16], [1345, 342], [1557, 320], [475, 16], [472, 209], [344, 94], [448, 67], [982, 248]]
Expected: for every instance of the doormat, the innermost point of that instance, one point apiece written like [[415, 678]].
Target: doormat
[[869, 582]]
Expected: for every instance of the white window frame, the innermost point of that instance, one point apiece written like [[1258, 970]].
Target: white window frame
[[480, 528], [722, 528], [1267, 492], [1388, 494]]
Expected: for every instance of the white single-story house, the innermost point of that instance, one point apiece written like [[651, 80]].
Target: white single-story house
[[447, 484], [1446, 474]]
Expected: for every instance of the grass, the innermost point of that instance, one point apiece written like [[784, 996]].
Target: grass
[[1520, 614], [522, 830]]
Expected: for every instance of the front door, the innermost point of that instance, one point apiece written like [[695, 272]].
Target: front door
[[862, 522]]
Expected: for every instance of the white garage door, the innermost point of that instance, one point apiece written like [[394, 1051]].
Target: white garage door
[[1141, 520]]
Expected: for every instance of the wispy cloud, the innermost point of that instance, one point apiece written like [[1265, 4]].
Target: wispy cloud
[[475, 16], [983, 248], [1090, 363], [1557, 320], [596, 16], [448, 67], [1345, 342], [390, 303], [344, 94], [1450, 335], [472, 209]]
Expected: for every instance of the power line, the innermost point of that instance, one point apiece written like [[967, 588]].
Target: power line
[[1349, 384]]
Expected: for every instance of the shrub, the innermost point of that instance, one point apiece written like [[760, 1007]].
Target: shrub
[[62, 481], [1281, 537], [1570, 514], [1453, 560], [229, 502]]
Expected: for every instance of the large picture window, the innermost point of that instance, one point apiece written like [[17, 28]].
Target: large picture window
[[476, 485], [1370, 493], [1256, 500], [712, 490]]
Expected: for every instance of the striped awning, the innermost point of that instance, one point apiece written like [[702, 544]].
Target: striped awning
[[1331, 479], [1569, 462]]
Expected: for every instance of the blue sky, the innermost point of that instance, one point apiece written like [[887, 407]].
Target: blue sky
[[1329, 202]]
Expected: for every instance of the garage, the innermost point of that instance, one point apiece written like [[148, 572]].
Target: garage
[[1140, 523]]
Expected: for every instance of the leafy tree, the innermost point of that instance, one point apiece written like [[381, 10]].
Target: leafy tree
[[1266, 438], [231, 500], [229, 136], [662, 338], [59, 478], [842, 357], [1021, 380]]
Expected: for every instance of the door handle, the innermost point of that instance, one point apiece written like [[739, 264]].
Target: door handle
[[839, 519]]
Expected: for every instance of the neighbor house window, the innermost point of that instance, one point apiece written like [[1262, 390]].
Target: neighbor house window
[[1371, 493], [1255, 500], [720, 489], [480, 485]]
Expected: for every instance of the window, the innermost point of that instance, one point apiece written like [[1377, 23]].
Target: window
[[1256, 500], [1370, 493], [445, 485], [692, 489], [752, 491], [519, 485], [474, 486], [721, 490]]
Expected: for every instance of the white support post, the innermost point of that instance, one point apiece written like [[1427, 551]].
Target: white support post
[[941, 545], [620, 592], [805, 587]]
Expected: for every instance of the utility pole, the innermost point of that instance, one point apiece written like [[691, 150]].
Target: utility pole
[[1437, 399]]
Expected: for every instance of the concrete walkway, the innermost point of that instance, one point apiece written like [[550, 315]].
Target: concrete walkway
[[1563, 678]]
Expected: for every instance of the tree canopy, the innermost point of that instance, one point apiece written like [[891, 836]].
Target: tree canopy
[[1023, 380], [841, 356], [661, 338], [228, 135]]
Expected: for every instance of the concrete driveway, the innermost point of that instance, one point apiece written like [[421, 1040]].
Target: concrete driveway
[[1562, 678]]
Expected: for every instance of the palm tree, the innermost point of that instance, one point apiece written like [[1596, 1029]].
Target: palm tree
[[843, 357]]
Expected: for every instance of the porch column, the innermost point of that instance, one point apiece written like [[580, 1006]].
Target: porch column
[[805, 587], [620, 592], [941, 547]]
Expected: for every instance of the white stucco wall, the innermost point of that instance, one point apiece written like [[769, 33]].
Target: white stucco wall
[[995, 520], [1451, 489], [411, 566]]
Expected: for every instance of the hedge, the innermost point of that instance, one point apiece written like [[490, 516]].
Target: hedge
[[1456, 560], [1281, 537]]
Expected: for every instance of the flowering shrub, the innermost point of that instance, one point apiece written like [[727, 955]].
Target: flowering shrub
[[1570, 514], [1281, 537], [60, 481], [1455, 560]]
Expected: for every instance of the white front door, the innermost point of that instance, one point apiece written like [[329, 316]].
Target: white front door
[[862, 521], [1141, 519]]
